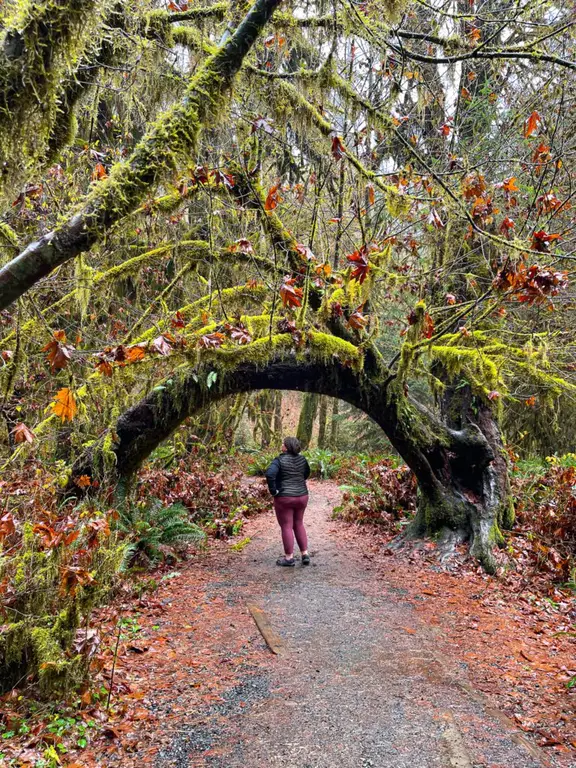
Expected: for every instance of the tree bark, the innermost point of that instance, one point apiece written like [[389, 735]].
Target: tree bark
[[334, 425], [307, 419], [322, 419], [277, 427]]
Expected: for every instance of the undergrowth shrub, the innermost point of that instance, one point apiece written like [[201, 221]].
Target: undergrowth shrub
[[56, 564], [384, 494], [324, 464], [217, 501], [152, 529], [257, 464], [544, 539], [59, 560]]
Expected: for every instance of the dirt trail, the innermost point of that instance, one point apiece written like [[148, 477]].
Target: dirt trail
[[360, 684]]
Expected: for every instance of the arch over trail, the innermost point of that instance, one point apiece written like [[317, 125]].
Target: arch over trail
[[462, 493]]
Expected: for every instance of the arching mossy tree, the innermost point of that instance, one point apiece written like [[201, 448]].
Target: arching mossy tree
[[319, 197]]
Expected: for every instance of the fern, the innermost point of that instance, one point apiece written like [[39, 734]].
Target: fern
[[151, 525]]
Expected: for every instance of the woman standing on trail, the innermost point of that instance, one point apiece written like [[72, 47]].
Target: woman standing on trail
[[286, 478]]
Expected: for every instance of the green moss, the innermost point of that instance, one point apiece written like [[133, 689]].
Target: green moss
[[41, 643], [160, 19], [53, 667], [192, 38], [307, 418], [157, 24], [477, 368], [43, 42], [319, 346]]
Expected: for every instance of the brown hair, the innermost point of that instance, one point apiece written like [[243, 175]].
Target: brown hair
[[292, 445]]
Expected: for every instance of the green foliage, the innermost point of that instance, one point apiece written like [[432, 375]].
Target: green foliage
[[324, 464], [150, 526], [52, 576], [258, 464]]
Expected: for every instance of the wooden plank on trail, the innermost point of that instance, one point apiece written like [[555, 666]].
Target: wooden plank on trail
[[273, 640]]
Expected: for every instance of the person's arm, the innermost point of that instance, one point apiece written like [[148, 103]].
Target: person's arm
[[306, 469], [272, 475]]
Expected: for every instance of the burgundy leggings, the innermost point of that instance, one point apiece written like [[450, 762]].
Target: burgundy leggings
[[290, 515]]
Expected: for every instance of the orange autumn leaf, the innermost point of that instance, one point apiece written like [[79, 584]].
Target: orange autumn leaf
[[532, 124], [99, 172], [509, 185], [105, 368], [273, 198], [358, 319], [59, 353], [507, 226], [474, 35], [64, 405], [290, 294], [338, 150], [324, 270], [212, 340], [427, 327], [134, 354], [7, 525]]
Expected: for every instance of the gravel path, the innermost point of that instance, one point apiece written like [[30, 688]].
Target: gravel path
[[360, 684]]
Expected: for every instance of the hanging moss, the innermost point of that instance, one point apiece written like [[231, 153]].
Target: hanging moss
[[39, 47]]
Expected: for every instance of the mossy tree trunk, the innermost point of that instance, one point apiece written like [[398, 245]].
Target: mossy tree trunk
[[265, 404], [461, 479], [474, 481], [307, 419], [322, 421], [334, 425], [277, 427]]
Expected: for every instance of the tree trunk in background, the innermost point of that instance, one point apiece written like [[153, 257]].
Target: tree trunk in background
[[307, 419], [334, 425], [277, 426], [230, 419], [267, 411], [322, 418]]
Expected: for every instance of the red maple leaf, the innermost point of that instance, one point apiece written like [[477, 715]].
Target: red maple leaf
[[361, 266], [338, 149], [541, 241], [290, 294]]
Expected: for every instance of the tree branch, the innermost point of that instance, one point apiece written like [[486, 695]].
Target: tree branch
[[169, 141]]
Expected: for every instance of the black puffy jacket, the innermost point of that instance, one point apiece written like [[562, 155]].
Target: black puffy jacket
[[287, 475]]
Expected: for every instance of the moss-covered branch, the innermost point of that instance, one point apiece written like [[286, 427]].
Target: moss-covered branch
[[167, 144], [40, 47]]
